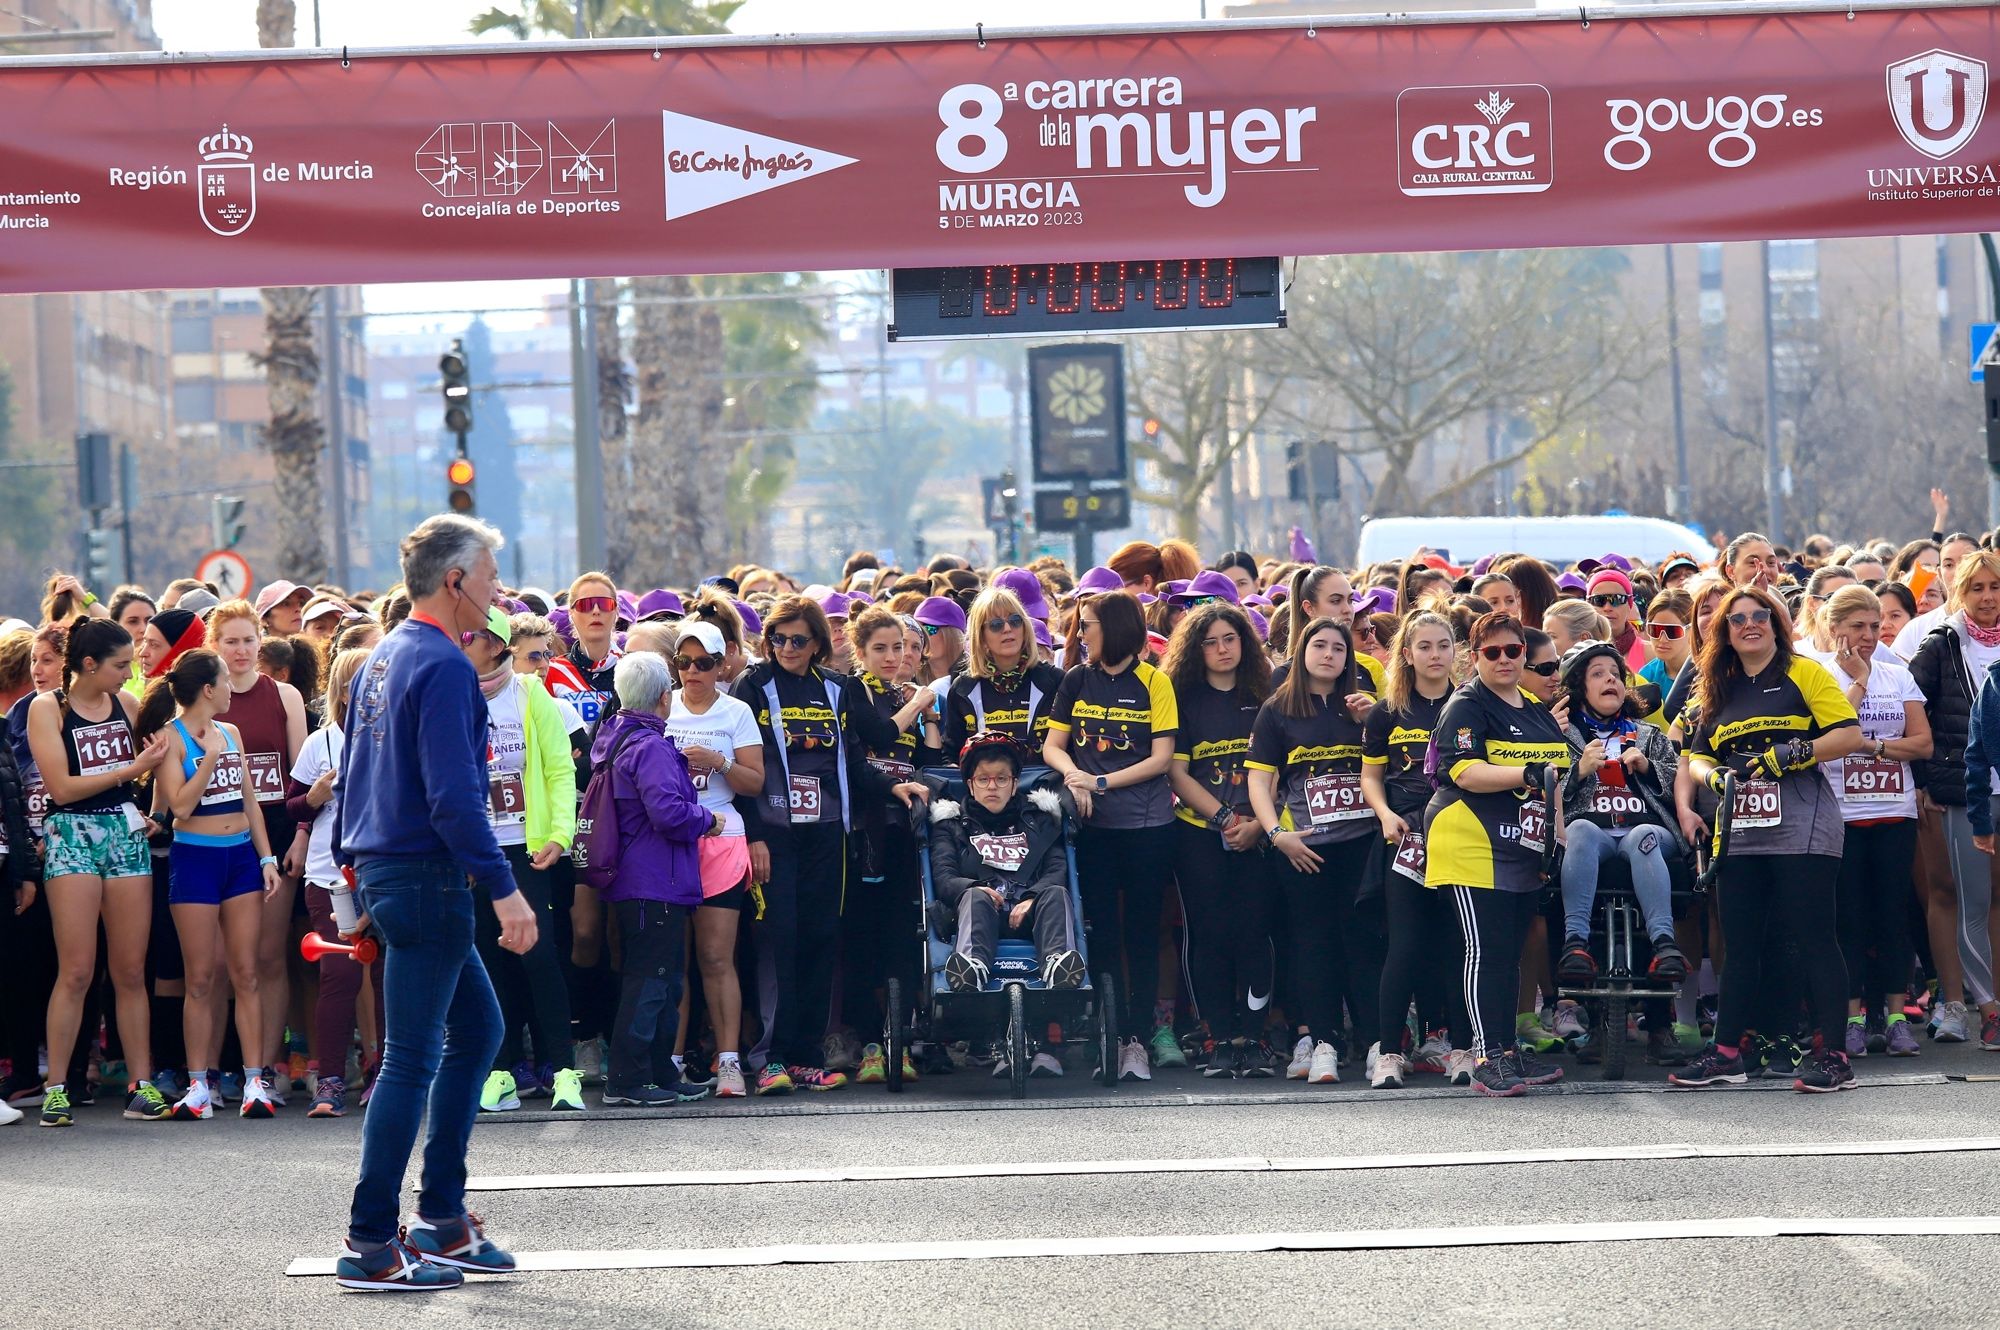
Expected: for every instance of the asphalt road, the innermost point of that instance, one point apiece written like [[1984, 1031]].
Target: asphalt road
[[186, 1224]]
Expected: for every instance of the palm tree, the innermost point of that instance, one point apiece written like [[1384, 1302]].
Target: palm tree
[[294, 435]]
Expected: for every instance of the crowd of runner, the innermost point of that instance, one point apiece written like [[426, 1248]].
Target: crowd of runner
[[1306, 805]]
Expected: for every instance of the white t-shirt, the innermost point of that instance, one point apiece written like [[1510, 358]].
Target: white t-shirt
[[726, 726], [506, 764], [322, 753], [1912, 636], [1874, 795]]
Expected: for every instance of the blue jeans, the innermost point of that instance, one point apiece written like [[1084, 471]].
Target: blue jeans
[[441, 1029], [1644, 849]]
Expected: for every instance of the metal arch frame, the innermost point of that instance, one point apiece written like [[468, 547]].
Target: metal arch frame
[[1310, 26]]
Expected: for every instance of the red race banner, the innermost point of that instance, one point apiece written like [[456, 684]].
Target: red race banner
[[760, 155]]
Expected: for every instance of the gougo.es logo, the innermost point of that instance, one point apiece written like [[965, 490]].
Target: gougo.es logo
[[1732, 118]]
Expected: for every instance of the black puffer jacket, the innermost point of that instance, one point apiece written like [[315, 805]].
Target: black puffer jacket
[[21, 854], [1941, 671]]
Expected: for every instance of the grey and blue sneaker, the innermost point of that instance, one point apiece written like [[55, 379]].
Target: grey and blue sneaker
[[232, 1087], [168, 1084], [460, 1243], [395, 1268]]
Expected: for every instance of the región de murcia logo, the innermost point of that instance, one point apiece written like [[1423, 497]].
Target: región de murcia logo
[[226, 183]]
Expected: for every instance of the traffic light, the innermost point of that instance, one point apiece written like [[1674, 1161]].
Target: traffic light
[[458, 476], [457, 390], [226, 522], [97, 559]]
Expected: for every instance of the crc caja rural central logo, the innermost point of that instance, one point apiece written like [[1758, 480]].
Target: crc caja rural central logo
[[1478, 139]]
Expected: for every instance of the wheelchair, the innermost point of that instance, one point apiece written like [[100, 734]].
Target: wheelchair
[[1014, 1001], [1618, 936]]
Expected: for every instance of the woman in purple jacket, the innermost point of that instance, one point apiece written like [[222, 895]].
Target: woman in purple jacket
[[660, 822]]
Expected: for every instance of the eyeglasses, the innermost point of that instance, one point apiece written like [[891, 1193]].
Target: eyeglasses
[[1366, 630], [1087, 623], [702, 664], [1610, 600], [999, 625], [1226, 640], [794, 641], [1673, 632], [992, 782], [538, 657], [594, 605], [1547, 669], [1760, 617], [1512, 651]]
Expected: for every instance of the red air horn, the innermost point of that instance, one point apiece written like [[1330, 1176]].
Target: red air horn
[[365, 950]]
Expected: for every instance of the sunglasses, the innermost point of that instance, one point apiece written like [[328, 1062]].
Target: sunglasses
[[702, 664], [467, 639], [1673, 632], [1759, 617], [594, 605], [1199, 601], [1547, 669], [539, 657], [1610, 599], [795, 641], [1512, 651], [998, 625], [930, 629]]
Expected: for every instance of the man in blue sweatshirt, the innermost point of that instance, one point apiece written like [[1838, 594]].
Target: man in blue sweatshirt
[[412, 822]]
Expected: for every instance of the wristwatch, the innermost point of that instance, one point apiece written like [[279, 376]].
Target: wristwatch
[[1881, 747], [728, 764], [1102, 784]]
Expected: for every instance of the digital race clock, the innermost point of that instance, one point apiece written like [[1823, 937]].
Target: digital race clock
[[1052, 299]]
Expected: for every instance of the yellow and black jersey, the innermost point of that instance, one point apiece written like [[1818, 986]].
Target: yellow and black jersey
[[982, 704], [1213, 740], [899, 761], [1798, 813], [1494, 839], [1397, 741], [1317, 760], [1112, 720]]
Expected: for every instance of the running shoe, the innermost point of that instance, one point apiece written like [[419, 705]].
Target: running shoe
[[147, 1104], [528, 1083], [111, 1071], [9, 1115], [1756, 1052], [1222, 1058], [1577, 968], [230, 1090], [1325, 1066], [566, 1090], [329, 1098], [1044, 1064], [1782, 1063], [638, 1096], [23, 1093], [1878, 1033], [1302, 1059], [56, 1111], [1989, 1032], [1954, 1023], [909, 1067], [1665, 1049], [197, 1105], [1166, 1048], [1530, 1069], [729, 1081], [1529, 1030], [1713, 1066], [1568, 1023], [1824, 1072], [874, 1069], [1255, 1061], [1493, 1078], [1001, 1066], [460, 1243], [840, 1051], [1902, 1040], [1458, 1067], [168, 1084], [1688, 1036], [1390, 1072], [815, 1078], [497, 1096], [1432, 1054], [690, 1074], [590, 1061], [1132, 1062], [1856, 1040], [395, 1268], [298, 1069], [257, 1103], [963, 973], [1063, 970]]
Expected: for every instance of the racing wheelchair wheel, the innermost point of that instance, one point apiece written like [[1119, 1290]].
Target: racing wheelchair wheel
[[1613, 1032], [1017, 1040], [894, 1042], [1107, 1031]]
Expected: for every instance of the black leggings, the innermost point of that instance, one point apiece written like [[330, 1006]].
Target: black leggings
[[530, 988], [1331, 956], [1775, 902], [798, 936], [1874, 914], [878, 928], [1226, 897], [1123, 876], [1492, 925], [1421, 936]]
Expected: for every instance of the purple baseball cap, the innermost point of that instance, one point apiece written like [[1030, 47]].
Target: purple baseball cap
[[1168, 590], [1259, 601], [859, 598], [753, 626], [1618, 561], [1375, 600], [560, 618], [660, 602], [1481, 565], [1571, 582], [1096, 582], [1027, 589], [1261, 624], [837, 604], [1278, 593], [941, 612], [1205, 586], [628, 608], [1042, 634]]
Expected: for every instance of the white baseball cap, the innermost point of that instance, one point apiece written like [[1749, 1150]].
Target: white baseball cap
[[707, 634]]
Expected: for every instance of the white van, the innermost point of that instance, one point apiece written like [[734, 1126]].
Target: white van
[[1560, 540]]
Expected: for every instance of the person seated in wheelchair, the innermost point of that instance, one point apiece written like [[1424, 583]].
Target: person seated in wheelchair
[[998, 867], [1616, 804]]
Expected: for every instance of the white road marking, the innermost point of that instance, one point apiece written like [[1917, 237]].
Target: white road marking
[[1370, 1239], [1251, 1164]]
